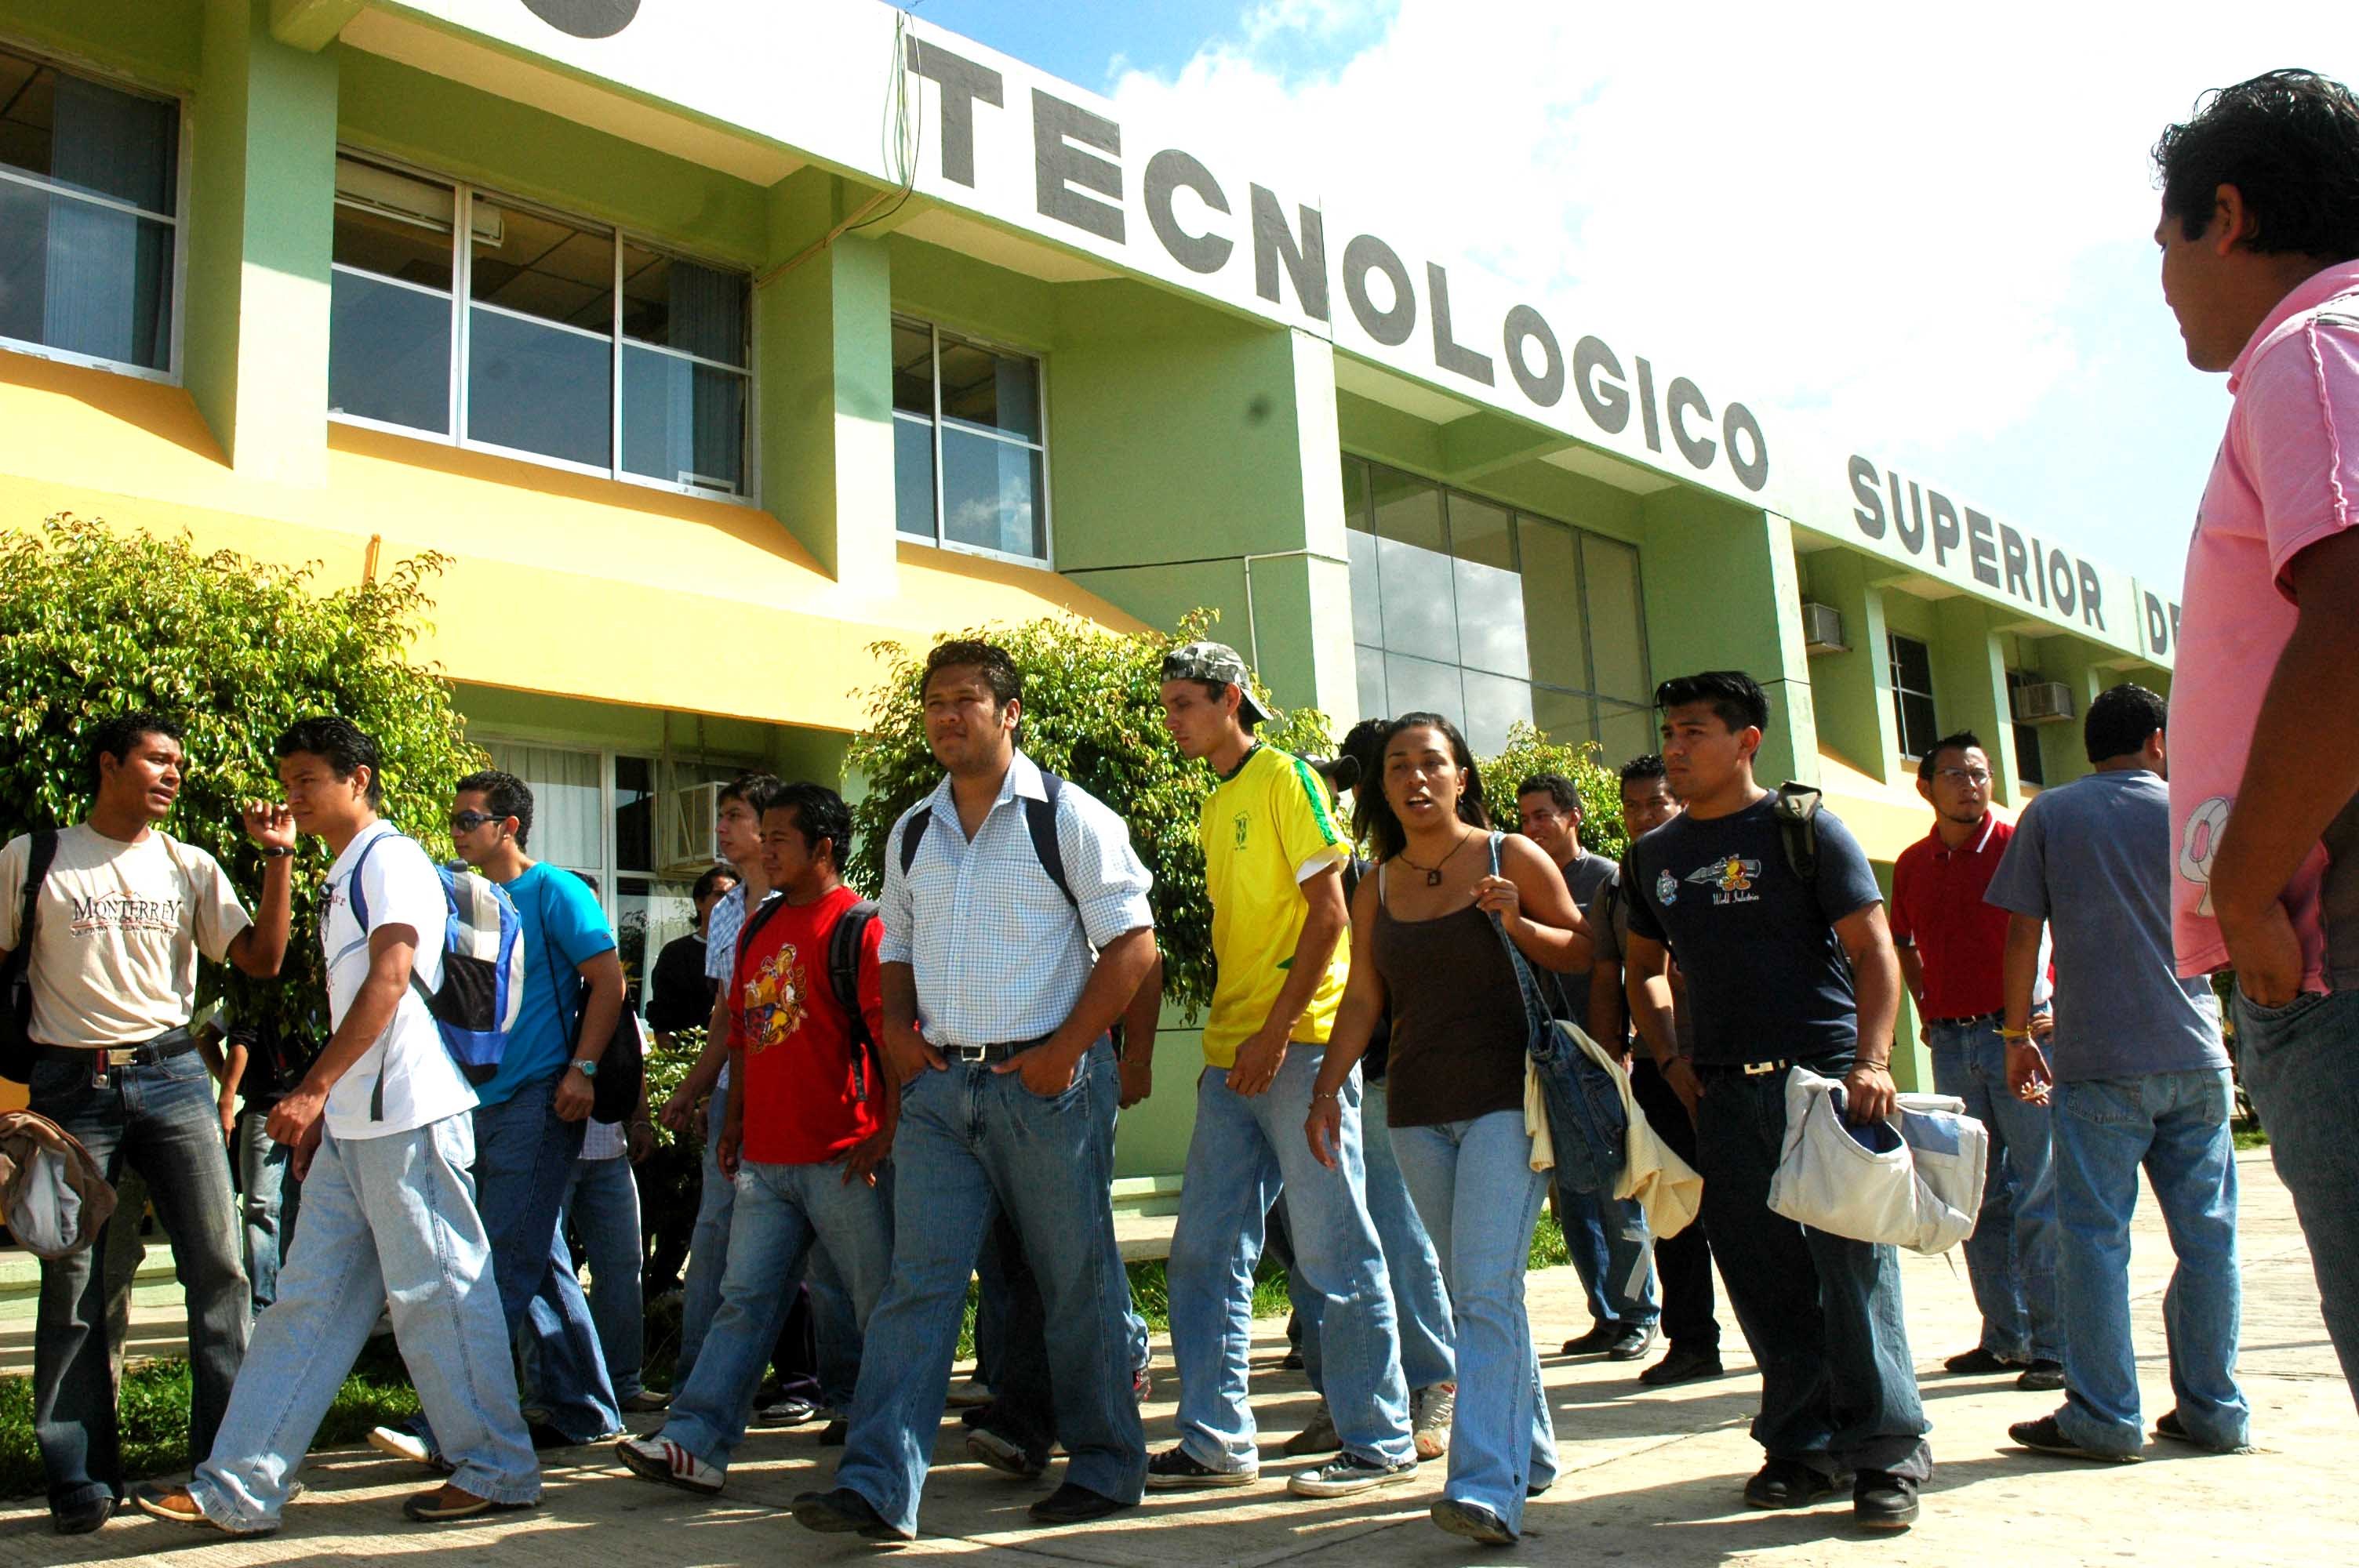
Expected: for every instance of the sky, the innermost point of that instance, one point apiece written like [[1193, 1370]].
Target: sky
[[1922, 239]]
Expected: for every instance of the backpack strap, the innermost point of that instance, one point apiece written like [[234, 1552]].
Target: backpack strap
[[1040, 821], [1796, 811], [353, 882], [40, 855], [845, 942], [920, 820], [753, 923]]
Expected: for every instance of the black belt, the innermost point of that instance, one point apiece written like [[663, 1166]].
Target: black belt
[[988, 1054], [163, 1048], [1764, 1069], [1978, 1017]]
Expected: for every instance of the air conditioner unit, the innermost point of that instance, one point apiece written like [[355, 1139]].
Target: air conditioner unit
[[1822, 629], [689, 830], [2041, 702]]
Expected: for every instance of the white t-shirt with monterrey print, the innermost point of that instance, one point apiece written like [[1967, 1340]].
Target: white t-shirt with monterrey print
[[398, 886]]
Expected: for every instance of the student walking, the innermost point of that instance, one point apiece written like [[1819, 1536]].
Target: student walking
[[2139, 1079], [806, 1133], [1951, 946], [997, 888], [119, 914], [1783, 969], [1431, 933], [2260, 264], [1273, 867], [383, 1139]]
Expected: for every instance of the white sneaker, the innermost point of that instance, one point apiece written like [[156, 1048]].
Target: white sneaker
[[1436, 1407], [968, 1394], [401, 1443], [659, 1458]]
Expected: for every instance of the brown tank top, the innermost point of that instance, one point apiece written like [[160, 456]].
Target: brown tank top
[[1459, 1029]]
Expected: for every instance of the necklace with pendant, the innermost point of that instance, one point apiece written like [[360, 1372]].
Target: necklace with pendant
[[1433, 873]]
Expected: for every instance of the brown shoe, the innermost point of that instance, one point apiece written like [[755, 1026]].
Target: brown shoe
[[447, 1503], [175, 1506]]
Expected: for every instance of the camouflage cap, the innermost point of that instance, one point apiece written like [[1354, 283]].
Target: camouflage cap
[[1218, 662]]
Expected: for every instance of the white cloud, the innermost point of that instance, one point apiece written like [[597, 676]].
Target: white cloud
[[1868, 218]]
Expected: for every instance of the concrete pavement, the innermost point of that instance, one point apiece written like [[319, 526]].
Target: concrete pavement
[[1650, 1477]]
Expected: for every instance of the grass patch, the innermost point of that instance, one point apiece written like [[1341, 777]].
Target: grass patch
[[2251, 1138]]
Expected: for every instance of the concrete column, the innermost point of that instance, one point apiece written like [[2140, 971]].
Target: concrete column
[[1853, 688], [823, 347], [1970, 683], [261, 229]]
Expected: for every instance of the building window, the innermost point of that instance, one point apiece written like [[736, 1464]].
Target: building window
[[2029, 768], [1912, 694], [970, 450], [89, 218], [577, 344], [1491, 616]]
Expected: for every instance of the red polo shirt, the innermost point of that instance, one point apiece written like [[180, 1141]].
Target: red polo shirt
[[1937, 903]]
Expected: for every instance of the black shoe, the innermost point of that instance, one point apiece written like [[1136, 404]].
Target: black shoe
[[1683, 1365], [544, 1436], [1597, 1341], [1175, 1469], [844, 1512], [791, 1411], [1979, 1362], [1788, 1484], [976, 1415], [1633, 1342], [2046, 1435], [2043, 1376], [834, 1433], [2169, 1425], [1882, 1501], [1073, 1503], [83, 1518], [1473, 1520], [1291, 1362]]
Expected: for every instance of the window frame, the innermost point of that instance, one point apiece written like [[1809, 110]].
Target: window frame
[[1892, 641], [935, 333], [2030, 764], [463, 197], [182, 166]]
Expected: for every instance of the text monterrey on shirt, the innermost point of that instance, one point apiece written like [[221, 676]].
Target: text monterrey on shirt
[[1767, 978], [399, 887]]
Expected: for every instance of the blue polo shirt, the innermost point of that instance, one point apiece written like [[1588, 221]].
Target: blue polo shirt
[[564, 927]]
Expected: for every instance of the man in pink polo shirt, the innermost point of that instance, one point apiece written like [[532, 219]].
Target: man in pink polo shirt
[[2260, 264]]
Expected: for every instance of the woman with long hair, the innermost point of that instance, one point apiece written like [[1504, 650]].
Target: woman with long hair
[[1426, 942]]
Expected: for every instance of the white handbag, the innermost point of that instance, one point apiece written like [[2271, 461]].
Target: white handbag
[[1912, 1180]]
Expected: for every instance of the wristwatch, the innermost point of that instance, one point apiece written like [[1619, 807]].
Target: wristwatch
[[587, 1070], [277, 851]]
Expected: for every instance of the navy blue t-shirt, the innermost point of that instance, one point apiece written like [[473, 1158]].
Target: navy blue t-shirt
[[1766, 977]]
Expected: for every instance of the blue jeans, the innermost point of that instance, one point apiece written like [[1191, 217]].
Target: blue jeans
[[1421, 1302], [2176, 1126], [782, 1212], [2302, 1065], [708, 1245], [165, 1122], [2011, 1256], [970, 1137], [1821, 1313], [1474, 1184], [1244, 1149], [392, 1222], [1614, 1253], [524, 1159], [602, 1199], [271, 1199]]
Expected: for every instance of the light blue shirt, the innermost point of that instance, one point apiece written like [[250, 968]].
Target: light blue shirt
[[1000, 956], [563, 927]]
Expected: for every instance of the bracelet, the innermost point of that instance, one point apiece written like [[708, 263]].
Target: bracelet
[[1336, 1094], [2016, 1036]]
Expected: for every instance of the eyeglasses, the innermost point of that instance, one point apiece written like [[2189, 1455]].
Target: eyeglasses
[[1975, 776], [467, 821]]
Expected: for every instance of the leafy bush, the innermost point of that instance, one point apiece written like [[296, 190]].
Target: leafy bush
[[1093, 712], [96, 622], [1529, 753]]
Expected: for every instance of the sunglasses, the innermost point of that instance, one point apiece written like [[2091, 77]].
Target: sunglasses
[[467, 821]]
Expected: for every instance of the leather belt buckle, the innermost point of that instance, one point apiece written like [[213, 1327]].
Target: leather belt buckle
[[1763, 1069], [966, 1053], [126, 1056]]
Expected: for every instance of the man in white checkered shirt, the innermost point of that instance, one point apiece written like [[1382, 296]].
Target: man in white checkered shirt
[[995, 1020]]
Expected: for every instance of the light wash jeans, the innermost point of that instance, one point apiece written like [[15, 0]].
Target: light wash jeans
[[781, 1214], [708, 1245], [270, 1199], [2301, 1064], [602, 1200], [2176, 1126], [387, 1222], [970, 1137], [1480, 1198], [1420, 1301], [2011, 1254], [1243, 1149]]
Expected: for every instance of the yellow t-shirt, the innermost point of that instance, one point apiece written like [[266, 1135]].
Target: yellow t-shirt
[[1266, 830]]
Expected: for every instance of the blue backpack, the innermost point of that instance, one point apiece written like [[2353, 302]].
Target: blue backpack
[[482, 968]]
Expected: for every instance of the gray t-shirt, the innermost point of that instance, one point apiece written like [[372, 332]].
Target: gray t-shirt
[[1609, 930], [1583, 877], [2093, 858]]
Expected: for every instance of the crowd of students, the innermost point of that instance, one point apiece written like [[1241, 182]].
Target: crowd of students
[[897, 1094]]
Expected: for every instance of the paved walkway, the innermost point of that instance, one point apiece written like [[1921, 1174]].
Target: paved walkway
[[1651, 1477]]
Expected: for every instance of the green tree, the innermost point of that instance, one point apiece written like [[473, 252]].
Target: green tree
[[1528, 751], [1093, 713], [95, 621]]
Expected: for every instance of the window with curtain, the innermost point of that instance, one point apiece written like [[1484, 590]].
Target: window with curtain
[[1491, 617], [89, 216], [568, 802], [575, 342], [970, 452], [1912, 694]]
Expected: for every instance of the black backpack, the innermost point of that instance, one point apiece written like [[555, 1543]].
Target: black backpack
[[18, 1051], [1039, 820], [1796, 811], [845, 942]]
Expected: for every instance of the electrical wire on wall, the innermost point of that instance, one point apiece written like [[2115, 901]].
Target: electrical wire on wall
[[904, 129]]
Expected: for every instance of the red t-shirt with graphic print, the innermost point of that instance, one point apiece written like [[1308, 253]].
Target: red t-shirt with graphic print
[[802, 1076]]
